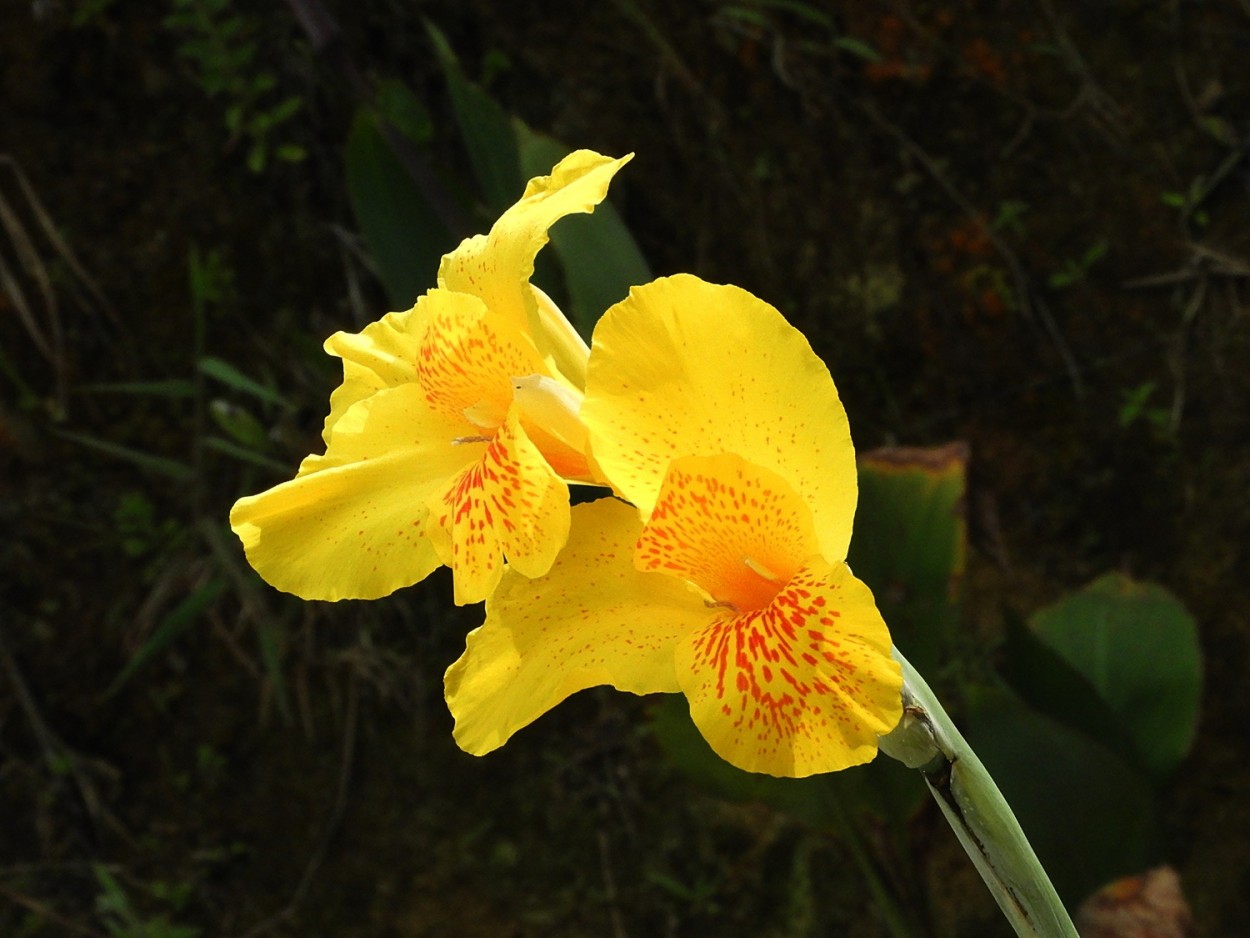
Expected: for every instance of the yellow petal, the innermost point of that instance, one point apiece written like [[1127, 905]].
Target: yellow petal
[[687, 368], [468, 357], [382, 355], [594, 619], [508, 502], [562, 347], [800, 687], [497, 267], [737, 531], [352, 524]]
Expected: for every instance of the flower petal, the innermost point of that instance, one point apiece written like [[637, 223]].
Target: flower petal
[[803, 686], [497, 267], [735, 530], [509, 503], [382, 355], [352, 524], [468, 356], [687, 368], [594, 619]]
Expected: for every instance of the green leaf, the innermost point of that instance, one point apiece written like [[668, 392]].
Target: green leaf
[[1050, 685], [1089, 817], [857, 47], [486, 129], [910, 543], [405, 111], [1137, 646], [180, 472], [239, 424], [601, 259], [405, 235], [243, 454], [230, 376], [183, 616]]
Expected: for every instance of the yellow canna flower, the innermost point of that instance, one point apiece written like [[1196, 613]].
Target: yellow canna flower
[[728, 581], [454, 431]]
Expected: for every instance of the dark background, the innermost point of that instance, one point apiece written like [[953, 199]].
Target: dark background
[[1021, 226]]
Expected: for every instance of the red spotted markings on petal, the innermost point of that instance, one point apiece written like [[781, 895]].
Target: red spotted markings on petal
[[781, 671]]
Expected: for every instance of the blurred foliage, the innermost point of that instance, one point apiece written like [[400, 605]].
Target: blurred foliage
[[597, 257], [220, 44]]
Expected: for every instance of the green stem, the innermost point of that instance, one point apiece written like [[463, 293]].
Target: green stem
[[927, 740]]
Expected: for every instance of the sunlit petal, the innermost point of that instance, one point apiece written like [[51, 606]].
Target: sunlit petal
[[562, 347], [467, 358], [684, 367], [497, 267], [352, 524], [737, 531], [803, 686], [508, 502], [382, 355], [594, 619]]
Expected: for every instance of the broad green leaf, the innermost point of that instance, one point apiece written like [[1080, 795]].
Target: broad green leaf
[[1137, 646], [601, 259], [405, 235], [1050, 685], [486, 130], [910, 543], [405, 111], [1088, 815]]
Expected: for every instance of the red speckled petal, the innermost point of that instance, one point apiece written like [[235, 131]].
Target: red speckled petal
[[467, 359], [737, 531], [802, 686], [594, 619], [352, 524], [497, 267], [507, 503], [687, 368]]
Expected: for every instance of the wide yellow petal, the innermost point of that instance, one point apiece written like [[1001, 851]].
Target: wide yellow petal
[[508, 502], [497, 267], [352, 524], [801, 687], [593, 620], [382, 355], [468, 357], [687, 368], [732, 528]]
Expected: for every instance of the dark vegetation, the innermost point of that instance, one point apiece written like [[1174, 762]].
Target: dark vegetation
[[1021, 226]]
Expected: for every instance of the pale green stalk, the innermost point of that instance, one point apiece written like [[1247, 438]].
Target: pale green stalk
[[926, 739]]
